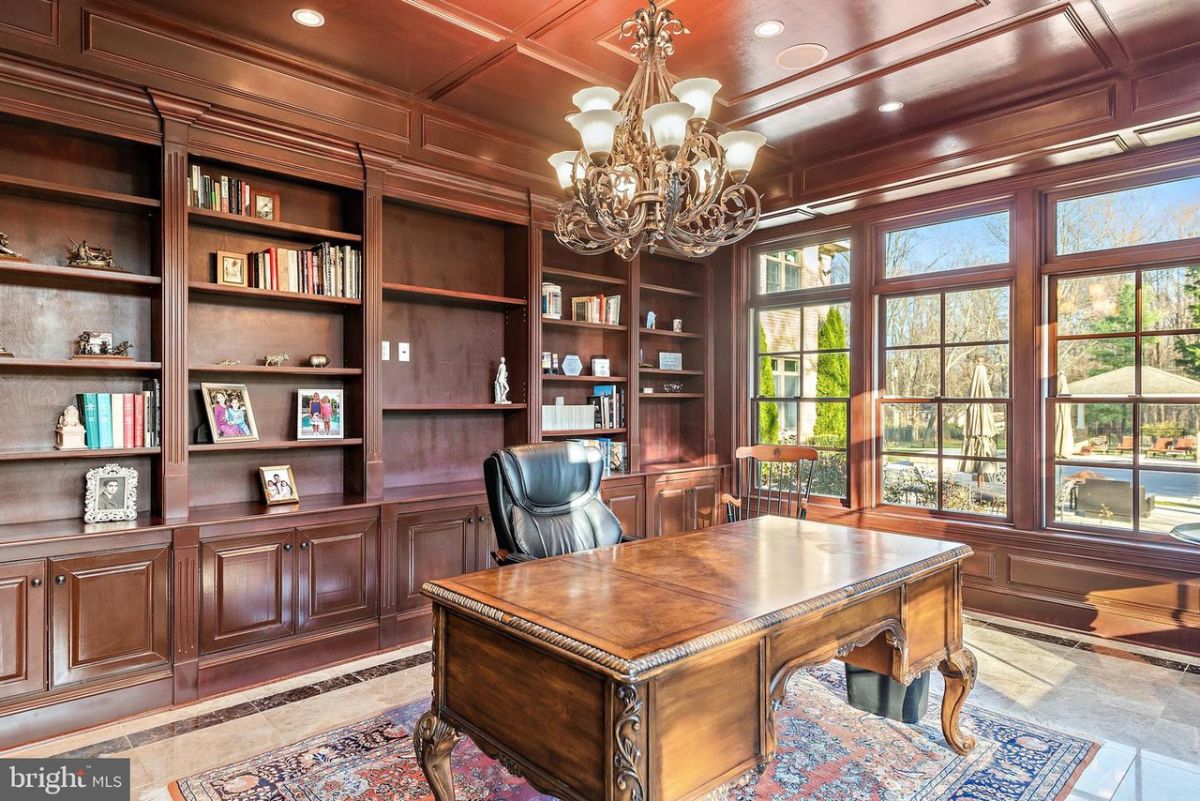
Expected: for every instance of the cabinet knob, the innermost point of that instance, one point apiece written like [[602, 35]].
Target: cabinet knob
[[287, 546], [60, 579], [304, 545], [35, 583], [482, 519]]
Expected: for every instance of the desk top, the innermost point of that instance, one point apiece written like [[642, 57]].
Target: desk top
[[635, 606]]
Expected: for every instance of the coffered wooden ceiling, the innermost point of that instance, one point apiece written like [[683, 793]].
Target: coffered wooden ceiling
[[517, 62]]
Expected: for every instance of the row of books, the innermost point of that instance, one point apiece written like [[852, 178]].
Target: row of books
[[568, 417], [123, 419], [615, 454], [326, 269], [230, 195], [597, 309], [609, 402]]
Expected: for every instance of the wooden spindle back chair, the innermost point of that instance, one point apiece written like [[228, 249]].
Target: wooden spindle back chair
[[760, 482]]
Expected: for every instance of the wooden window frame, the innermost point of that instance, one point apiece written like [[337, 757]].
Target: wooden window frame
[[922, 219]]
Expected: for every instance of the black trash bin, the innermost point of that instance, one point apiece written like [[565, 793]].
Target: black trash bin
[[882, 695]]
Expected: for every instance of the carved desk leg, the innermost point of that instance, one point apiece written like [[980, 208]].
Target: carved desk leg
[[959, 670], [434, 739], [629, 780]]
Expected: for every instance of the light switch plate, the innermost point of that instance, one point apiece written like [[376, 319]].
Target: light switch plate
[[402, 352], [387, 350]]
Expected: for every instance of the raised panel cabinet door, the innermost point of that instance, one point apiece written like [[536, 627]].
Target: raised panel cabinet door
[[246, 590], [485, 536], [22, 628], [628, 503], [109, 613], [339, 572], [433, 545], [672, 509], [706, 497]]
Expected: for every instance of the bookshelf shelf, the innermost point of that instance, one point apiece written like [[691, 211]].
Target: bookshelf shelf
[[656, 371], [82, 453], [583, 379], [658, 332], [78, 366], [584, 432], [258, 369], [59, 277], [267, 296], [239, 222], [579, 275], [78, 195], [277, 445], [670, 290], [670, 395], [452, 295], [580, 324], [454, 407]]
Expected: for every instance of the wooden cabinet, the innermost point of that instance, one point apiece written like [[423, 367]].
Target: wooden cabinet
[[628, 503], [22, 628], [246, 590], [108, 614], [686, 503], [486, 539], [437, 544], [338, 575]]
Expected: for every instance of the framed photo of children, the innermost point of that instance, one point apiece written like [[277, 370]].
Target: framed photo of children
[[320, 414], [230, 416], [279, 484]]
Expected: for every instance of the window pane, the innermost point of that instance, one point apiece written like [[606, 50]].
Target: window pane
[[979, 371], [829, 478], [974, 430], [1096, 366], [982, 488], [913, 373], [1171, 500], [1171, 365], [1097, 304], [1157, 213], [827, 375], [914, 320], [822, 425], [952, 245], [1094, 431], [910, 481], [978, 315], [1169, 433], [1170, 298], [910, 427], [781, 330], [1094, 496], [808, 267], [775, 423], [830, 326]]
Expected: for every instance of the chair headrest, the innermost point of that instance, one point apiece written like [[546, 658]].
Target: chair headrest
[[550, 477]]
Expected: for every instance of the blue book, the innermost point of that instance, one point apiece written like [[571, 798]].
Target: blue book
[[104, 418], [91, 418]]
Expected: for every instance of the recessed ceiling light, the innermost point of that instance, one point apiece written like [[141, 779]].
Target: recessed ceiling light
[[801, 56], [308, 18], [768, 28], [890, 106]]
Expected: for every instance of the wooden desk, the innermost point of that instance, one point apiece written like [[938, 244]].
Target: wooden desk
[[652, 670]]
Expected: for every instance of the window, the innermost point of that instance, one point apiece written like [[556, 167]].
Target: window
[[1125, 416], [952, 245], [805, 267], [1144, 215], [944, 408], [801, 356]]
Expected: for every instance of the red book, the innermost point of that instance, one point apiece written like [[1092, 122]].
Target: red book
[[130, 431], [139, 420], [274, 268]]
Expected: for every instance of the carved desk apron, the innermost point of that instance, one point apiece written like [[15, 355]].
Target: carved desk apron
[[652, 670]]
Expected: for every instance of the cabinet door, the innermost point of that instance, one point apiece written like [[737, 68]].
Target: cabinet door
[[338, 571], [628, 503], [108, 614], [433, 545], [22, 628], [672, 508], [246, 590], [485, 536], [706, 497]]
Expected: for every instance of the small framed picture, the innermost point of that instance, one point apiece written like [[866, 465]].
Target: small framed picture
[[279, 484], [320, 414], [600, 367], [266, 205], [670, 360], [231, 269], [110, 494], [230, 415]]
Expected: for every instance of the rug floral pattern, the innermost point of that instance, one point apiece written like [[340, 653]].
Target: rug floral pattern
[[828, 751]]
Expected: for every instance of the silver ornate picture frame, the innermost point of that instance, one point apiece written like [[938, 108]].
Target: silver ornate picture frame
[[111, 494]]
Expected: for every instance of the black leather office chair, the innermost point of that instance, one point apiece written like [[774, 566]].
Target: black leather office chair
[[545, 501]]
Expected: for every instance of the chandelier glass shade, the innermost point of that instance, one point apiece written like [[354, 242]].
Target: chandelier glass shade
[[649, 174]]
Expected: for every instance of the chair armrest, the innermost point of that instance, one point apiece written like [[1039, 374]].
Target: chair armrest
[[502, 558], [627, 538], [726, 498]]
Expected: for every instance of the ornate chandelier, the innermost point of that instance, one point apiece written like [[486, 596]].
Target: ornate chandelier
[[649, 175]]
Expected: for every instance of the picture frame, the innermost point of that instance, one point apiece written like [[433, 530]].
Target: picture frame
[[278, 484], [110, 494], [230, 414], [670, 360], [232, 269], [266, 205], [601, 367], [320, 413]]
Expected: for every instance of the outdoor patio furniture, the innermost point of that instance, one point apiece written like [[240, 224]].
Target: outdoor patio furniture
[[1126, 445], [1162, 446], [1184, 446], [1109, 497]]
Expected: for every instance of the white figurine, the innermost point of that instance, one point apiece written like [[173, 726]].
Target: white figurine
[[500, 386], [70, 435]]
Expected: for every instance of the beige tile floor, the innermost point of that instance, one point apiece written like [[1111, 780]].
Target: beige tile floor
[[1146, 716]]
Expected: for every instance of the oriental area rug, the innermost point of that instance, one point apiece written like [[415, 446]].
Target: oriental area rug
[[828, 751]]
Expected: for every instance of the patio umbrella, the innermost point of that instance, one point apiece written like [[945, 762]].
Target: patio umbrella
[[979, 429], [1064, 431]]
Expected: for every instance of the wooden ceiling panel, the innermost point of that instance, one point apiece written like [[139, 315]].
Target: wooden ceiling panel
[[509, 14], [405, 45], [1149, 28]]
